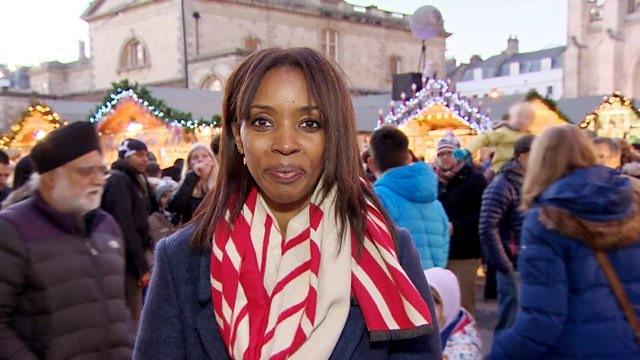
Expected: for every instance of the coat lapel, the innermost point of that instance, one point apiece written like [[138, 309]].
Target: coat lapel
[[351, 335], [205, 320]]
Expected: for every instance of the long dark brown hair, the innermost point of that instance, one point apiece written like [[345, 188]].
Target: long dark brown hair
[[328, 90]]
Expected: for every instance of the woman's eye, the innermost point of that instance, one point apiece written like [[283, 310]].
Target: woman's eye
[[261, 122], [310, 124]]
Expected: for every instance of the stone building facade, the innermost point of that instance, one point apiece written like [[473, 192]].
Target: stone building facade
[[603, 48], [142, 40]]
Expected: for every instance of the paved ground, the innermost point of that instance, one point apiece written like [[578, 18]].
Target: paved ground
[[486, 316]]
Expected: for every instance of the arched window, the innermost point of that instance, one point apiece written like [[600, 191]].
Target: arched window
[[252, 43], [134, 55], [211, 83]]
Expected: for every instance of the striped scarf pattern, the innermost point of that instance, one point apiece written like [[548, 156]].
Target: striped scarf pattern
[[265, 287]]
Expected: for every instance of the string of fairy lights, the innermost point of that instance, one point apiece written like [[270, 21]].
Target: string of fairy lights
[[617, 99], [110, 106], [435, 91], [43, 110]]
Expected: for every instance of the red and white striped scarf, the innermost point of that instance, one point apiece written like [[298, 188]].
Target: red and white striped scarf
[[274, 293]]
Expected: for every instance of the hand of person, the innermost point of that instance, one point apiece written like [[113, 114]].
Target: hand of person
[[450, 228], [202, 169], [144, 280]]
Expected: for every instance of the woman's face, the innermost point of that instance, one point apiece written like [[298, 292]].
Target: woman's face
[[198, 156], [283, 140]]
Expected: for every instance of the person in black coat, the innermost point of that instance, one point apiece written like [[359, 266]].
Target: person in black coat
[[129, 199], [175, 171], [500, 224], [196, 183], [460, 192]]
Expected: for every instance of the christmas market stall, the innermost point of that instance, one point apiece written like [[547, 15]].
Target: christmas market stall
[[130, 111], [616, 117], [430, 113], [32, 125]]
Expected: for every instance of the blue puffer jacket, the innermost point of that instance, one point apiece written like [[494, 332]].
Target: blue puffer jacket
[[410, 195], [568, 308], [500, 220]]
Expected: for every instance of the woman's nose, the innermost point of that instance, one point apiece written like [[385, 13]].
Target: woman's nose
[[285, 141]]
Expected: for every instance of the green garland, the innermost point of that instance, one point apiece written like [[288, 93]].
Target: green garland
[[534, 95], [157, 107]]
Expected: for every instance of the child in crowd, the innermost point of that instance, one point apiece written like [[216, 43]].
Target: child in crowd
[[458, 334], [503, 138], [162, 223]]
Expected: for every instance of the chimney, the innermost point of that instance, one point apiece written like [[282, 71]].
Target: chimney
[[475, 60], [512, 45], [81, 54]]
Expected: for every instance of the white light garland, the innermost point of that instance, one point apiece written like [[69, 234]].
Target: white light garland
[[436, 91], [109, 107]]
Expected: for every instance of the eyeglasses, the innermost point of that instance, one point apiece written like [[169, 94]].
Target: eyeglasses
[[93, 171]]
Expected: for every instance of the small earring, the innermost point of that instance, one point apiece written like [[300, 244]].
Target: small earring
[[244, 161]]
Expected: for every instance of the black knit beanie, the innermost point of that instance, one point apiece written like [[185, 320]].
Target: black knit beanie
[[64, 145]]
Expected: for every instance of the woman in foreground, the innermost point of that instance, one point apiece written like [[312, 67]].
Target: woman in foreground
[[291, 255]]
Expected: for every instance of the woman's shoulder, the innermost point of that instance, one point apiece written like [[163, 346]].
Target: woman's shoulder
[[177, 246]]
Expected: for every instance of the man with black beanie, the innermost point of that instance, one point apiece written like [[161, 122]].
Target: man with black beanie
[[62, 273], [129, 199]]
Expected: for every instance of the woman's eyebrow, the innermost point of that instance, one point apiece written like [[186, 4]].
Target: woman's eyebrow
[[262, 107], [309, 108]]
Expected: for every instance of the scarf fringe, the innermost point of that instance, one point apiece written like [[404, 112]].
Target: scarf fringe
[[401, 334]]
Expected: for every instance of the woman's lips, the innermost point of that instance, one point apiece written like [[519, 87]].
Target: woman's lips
[[285, 174]]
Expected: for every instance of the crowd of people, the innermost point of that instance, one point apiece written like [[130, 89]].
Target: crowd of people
[[280, 240]]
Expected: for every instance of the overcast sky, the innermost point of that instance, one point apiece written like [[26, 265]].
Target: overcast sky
[[34, 31]]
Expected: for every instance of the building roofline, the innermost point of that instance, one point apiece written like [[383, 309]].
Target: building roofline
[[389, 21], [503, 58]]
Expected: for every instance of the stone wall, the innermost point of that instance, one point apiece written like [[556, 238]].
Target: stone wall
[[602, 56], [156, 25]]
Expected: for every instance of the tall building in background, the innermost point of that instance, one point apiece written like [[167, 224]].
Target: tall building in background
[[143, 41], [603, 48]]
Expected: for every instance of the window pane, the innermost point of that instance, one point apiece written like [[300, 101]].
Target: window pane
[[535, 66], [140, 58]]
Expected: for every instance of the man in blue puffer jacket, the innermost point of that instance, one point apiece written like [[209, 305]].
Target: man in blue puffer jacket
[[409, 192], [499, 230]]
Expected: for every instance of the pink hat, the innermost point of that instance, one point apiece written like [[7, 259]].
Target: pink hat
[[448, 143]]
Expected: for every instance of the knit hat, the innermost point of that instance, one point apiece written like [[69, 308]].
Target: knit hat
[[164, 187], [523, 145], [446, 284], [130, 147], [448, 143], [64, 145]]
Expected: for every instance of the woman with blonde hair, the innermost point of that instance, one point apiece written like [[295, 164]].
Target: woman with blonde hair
[[578, 262], [198, 177]]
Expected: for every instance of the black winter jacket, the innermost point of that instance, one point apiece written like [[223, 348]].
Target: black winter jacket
[[61, 285], [183, 202], [130, 203], [461, 198], [500, 219]]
